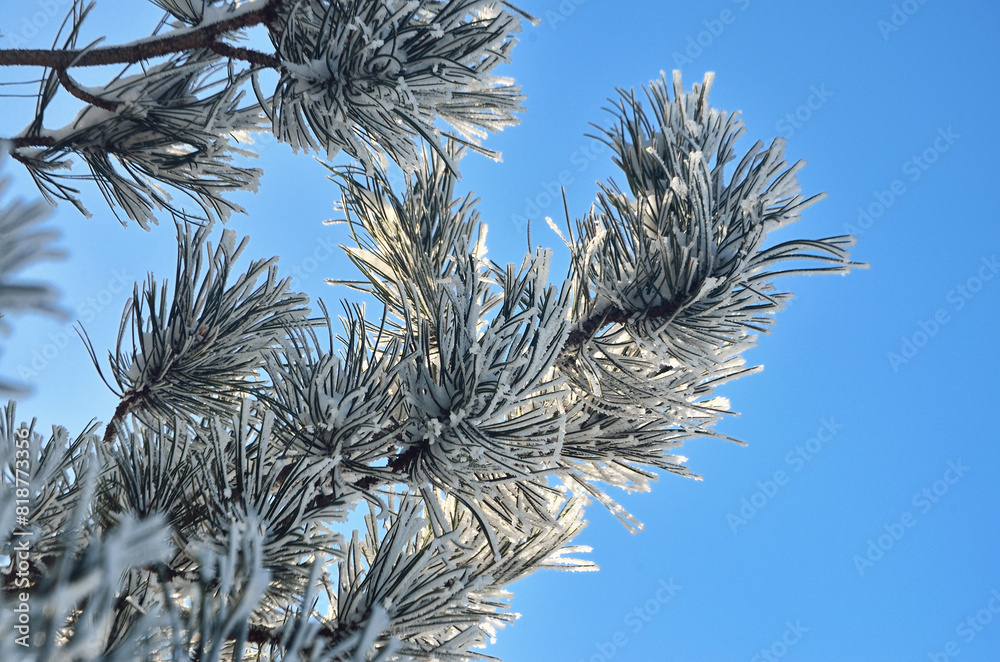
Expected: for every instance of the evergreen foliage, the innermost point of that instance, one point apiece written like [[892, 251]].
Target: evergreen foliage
[[472, 421]]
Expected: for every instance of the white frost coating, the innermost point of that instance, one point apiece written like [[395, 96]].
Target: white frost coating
[[390, 74], [171, 110], [678, 186], [684, 242]]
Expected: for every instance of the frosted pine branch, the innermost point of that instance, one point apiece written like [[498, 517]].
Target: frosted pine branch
[[671, 277], [475, 419], [200, 349], [367, 77]]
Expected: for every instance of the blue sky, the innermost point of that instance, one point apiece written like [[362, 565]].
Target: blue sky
[[861, 521]]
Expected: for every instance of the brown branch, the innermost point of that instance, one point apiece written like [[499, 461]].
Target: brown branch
[[173, 42], [263, 635], [26, 141], [246, 54], [83, 95], [20, 159], [121, 411], [32, 141], [587, 329]]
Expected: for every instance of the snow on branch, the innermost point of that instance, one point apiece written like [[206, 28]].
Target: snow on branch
[[476, 418], [367, 77], [56, 467], [243, 477], [73, 571], [480, 414]]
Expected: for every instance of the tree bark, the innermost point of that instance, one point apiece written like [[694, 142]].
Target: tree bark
[[177, 41]]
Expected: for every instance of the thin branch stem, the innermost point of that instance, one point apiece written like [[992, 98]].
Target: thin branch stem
[[588, 328], [83, 95], [31, 141], [177, 41], [246, 54], [121, 411]]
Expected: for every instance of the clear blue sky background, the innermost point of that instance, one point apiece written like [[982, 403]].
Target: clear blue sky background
[[838, 553]]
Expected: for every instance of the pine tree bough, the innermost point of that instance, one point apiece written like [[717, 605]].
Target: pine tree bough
[[474, 420], [366, 77]]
